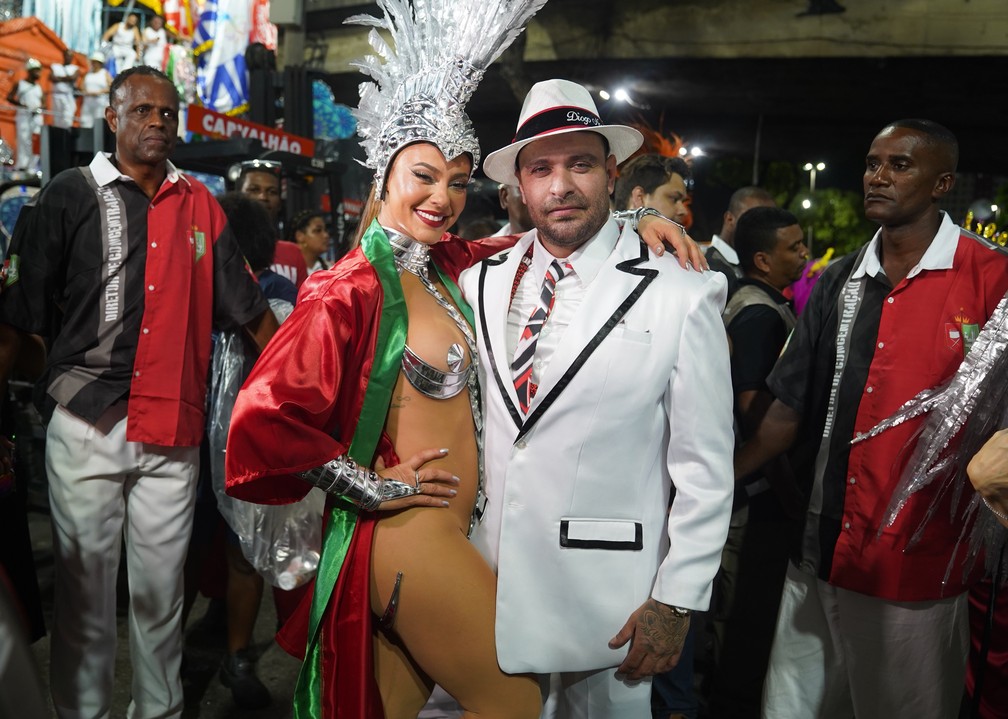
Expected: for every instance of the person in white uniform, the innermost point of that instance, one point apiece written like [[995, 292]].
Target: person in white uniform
[[155, 40], [95, 89], [125, 39], [65, 78], [29, 100], [606, 382]]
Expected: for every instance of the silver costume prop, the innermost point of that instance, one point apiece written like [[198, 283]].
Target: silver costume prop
[[974, 398], [358, 485]]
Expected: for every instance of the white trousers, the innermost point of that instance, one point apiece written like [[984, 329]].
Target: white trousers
[[102, 487], [64, 107], [839, 654], [93, 110], [125, 57], [26, 124], [594, 695]]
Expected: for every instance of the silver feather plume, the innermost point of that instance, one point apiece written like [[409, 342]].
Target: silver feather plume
[[974, 394], [422, 81]]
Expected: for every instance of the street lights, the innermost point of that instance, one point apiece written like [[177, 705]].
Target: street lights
[[812, 169]]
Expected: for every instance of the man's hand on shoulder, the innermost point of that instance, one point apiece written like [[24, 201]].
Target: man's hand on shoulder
[[656, 633]]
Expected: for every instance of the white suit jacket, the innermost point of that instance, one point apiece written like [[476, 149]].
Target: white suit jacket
[[637, 397]]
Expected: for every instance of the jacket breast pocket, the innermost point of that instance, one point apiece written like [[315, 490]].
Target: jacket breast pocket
[[622, 332], [612, 534]]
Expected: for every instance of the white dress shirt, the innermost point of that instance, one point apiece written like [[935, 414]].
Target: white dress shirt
[[726, 250], [938, 256], [570, 290]]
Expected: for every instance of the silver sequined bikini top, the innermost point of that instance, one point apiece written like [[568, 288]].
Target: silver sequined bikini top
[[413, 257]]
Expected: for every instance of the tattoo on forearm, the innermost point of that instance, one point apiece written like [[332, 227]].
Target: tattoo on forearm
[[662, 632], [399, 401]]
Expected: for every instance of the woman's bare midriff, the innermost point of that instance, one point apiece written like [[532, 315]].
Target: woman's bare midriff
[[416, 422]]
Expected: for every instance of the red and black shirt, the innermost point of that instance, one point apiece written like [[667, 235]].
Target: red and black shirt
[[901, 340], [125, 290]]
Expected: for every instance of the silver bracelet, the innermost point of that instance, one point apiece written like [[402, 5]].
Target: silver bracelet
[[635, 217], [994, 510], [360, 486]]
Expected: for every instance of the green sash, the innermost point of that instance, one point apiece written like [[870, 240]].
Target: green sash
[[343, 518]]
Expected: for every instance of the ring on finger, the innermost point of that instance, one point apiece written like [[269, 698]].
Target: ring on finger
[[416, 478]]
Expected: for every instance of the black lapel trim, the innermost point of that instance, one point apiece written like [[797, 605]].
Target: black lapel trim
[[629, 266], [512, 410]]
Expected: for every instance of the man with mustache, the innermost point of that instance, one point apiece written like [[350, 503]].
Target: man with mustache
[[123, 268], [872, 619], [606, 381]]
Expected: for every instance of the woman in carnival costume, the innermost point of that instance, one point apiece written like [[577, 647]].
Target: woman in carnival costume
[[374, 369]]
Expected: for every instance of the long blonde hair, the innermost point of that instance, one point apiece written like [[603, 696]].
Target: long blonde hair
[[371, 209]]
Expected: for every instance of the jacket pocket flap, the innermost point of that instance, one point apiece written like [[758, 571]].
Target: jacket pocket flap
[[601, 534]]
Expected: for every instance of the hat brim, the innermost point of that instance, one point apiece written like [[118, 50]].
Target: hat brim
[[500, 164]]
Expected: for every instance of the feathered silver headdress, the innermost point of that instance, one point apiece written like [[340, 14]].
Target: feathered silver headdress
[[421, 87]]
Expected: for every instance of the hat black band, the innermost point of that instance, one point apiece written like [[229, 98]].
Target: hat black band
[[556, 119]]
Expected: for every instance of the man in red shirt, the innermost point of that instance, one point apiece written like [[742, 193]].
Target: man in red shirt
[[123, 268], [873, 619]]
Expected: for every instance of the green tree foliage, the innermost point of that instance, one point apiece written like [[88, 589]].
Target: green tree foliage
[[836, 218]]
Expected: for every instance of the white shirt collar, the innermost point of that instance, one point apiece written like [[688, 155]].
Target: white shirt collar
[[586, 260], [726, 250], [505, 230], [105, 172], [938, 256]]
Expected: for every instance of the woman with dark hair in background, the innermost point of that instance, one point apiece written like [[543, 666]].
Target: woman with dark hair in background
[[307, 229]]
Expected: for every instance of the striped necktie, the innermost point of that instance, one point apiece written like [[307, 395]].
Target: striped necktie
[[521, 367]]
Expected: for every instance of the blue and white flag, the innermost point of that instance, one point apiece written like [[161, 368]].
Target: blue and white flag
[[219, 42]]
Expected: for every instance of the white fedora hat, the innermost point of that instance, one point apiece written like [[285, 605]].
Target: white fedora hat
[[555, 107]]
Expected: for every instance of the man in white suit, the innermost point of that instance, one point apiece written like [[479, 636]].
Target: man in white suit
[[606, 378]]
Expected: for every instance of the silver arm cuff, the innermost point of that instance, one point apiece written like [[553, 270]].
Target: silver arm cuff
[[358, 485], [634, 216]]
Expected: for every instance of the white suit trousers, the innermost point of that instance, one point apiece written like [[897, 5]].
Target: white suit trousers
[[594, 695], [102, 487]]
